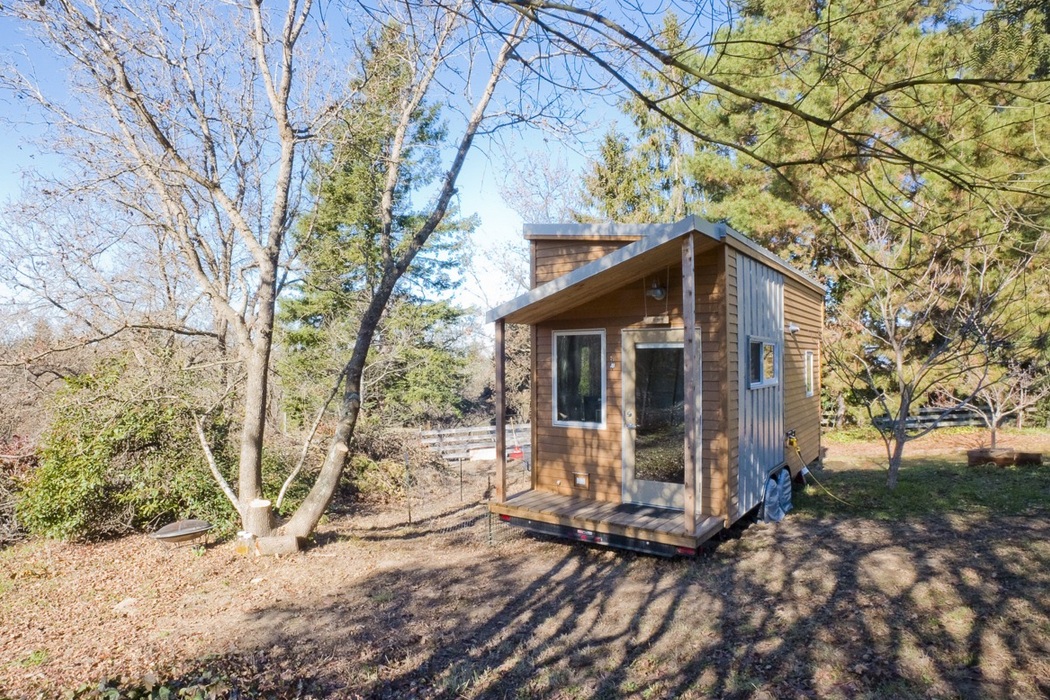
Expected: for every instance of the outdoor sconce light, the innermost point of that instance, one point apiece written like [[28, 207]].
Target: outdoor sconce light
[[656, 291], [793, 329]]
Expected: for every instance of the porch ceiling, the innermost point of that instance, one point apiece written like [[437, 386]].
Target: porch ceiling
[[633, 261]]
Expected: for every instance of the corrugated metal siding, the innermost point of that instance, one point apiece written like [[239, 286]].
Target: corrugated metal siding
[[761, 316]]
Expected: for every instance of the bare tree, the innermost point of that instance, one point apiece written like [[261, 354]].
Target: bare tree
[[191, 119], [1010, 389], [188, 132], [540, 187], [899, 338]]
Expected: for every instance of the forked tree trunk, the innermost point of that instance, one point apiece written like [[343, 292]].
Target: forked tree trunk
[[309, 513]]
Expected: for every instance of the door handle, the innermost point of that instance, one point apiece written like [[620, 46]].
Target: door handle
[[630, 426]]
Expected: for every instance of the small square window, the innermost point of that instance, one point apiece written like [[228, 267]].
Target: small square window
[[762, 362], [755, 362]]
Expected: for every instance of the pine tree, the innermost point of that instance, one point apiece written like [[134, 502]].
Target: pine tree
[[415, 365], [928, 273]]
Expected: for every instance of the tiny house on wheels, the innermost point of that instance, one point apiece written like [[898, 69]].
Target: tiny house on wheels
[[670, 365]]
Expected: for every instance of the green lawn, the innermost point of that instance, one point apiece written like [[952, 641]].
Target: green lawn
[[927, 486]]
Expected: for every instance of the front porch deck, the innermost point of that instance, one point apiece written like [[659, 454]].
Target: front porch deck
[[606, 523]]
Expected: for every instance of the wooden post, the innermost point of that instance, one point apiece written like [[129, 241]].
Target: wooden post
[[408, 485], [534, 401], [501, 414], [691, 365]]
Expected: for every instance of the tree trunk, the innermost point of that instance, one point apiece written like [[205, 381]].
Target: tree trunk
[[896, 457], [900, 438], [249, 483], [316, 503]]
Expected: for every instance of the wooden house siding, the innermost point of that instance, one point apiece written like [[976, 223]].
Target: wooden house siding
[[710, 322], [551, 259], [534, 401], [731, 399], [587, 278], [804, 309], [559, 451]]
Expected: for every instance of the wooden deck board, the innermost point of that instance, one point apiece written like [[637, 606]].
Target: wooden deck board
[[630, 520], [540, 500], [593, 511]]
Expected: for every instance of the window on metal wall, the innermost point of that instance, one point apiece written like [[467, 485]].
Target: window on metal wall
[[579, 378], [762, 363]]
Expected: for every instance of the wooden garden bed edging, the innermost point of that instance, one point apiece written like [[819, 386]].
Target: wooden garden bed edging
[[1003, 457]]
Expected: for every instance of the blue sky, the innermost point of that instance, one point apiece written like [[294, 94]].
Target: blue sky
[[478, 187]]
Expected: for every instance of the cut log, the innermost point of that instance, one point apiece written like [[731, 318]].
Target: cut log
[[276, 546], [1029, 459], [258, 519]]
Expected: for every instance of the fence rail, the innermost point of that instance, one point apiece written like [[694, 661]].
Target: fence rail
[[933, 417], [476, 442]]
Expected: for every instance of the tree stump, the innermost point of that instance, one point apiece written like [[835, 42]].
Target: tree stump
[[277, 546], [258, 518]]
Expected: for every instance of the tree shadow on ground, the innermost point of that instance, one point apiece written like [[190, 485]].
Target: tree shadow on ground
[[947, 606]]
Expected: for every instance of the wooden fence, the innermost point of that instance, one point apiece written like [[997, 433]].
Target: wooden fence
[[933, 417], [479, 442]]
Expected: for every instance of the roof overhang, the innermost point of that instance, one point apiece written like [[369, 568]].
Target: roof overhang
[[659, 246]]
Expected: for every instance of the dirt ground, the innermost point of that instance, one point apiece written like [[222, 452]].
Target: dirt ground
[[944, 606]]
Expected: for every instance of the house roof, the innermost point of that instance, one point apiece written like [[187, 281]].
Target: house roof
[[657, 245]]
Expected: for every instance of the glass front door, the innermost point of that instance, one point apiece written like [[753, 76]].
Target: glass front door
[[654, 418]]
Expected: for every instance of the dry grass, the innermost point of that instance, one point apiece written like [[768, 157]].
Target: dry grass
[[938, 603]]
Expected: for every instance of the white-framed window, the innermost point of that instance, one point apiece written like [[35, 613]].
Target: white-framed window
[[579, 378], [761, 362], [811, 375]]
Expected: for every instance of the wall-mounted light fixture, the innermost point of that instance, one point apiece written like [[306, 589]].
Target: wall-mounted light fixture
[[793, 329], [657, 291]]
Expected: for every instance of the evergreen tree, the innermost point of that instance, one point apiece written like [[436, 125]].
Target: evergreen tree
[[644, 178], [415, 365], [928, 273]]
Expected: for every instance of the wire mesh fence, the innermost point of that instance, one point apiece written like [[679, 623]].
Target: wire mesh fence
[[450, 503]]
